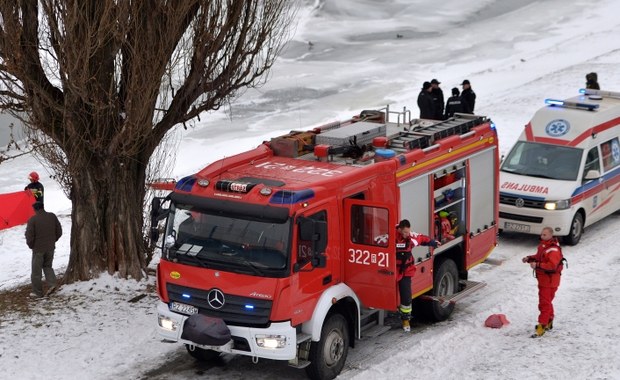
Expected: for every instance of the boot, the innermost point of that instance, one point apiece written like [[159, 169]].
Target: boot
[[406, 325], [549, 325], [405, 316], [404, 312], [539, 331]]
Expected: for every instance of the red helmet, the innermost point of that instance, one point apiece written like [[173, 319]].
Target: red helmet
[[34, 176]]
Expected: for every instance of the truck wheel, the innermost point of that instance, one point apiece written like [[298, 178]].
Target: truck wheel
[[445, 283], [201, 354], [576, 230], [328, 355]]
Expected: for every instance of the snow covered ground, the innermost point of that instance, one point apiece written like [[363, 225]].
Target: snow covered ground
[[350, 55]]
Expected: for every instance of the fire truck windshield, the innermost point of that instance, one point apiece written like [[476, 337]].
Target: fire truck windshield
[[543, 161], [199, 238]]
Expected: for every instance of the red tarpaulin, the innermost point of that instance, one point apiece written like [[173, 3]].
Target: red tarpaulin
[[15, 208]]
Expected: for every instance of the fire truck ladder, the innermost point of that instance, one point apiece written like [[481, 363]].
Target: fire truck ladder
[[422, 137]]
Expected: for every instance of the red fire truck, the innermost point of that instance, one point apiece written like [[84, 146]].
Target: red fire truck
[[287, 251]]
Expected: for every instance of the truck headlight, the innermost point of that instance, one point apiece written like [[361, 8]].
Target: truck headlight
[[270, 341], [558, 205], [167, 323]]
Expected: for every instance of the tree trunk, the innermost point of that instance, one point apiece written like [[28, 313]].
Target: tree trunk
[[106, 230]]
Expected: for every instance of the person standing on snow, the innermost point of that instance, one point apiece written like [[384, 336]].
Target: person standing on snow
[[42, 232], [437, 95], [425, 102], [468, 96], [35, 186], [547, 263], [454, 104], [592, 81], [406, 240]]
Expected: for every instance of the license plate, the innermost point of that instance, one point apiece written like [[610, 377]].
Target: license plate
[[183, 308], [517, 227]]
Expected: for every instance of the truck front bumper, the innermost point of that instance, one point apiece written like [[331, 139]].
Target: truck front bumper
[[278, 341]]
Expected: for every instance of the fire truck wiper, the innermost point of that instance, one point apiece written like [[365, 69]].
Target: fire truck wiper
[[191, 259], [250, 265]]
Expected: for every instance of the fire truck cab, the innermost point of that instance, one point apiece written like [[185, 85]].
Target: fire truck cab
[[290, 247]]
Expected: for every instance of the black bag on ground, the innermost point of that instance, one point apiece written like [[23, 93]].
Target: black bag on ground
[[205, 330]]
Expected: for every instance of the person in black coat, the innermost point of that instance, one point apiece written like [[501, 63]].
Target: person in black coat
[[454, 104], [425, 102], [437, 94], [468, 96], [592, 81], [42, 232]]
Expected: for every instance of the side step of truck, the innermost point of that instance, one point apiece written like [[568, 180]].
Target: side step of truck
[[468, 288], [372, 323]]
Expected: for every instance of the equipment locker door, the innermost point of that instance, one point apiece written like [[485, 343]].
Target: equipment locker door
[[483, 201], [369, 263]]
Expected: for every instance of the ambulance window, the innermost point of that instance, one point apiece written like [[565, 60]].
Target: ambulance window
[[610, 151], [592, 161], [369, 225], [304, 251]]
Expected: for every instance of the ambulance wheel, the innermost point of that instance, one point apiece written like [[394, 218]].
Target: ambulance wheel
[[445, 283], [201, 354], [576, 230], [328, 355]]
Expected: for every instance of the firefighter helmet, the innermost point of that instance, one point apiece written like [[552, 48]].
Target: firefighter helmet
[[33, 176]]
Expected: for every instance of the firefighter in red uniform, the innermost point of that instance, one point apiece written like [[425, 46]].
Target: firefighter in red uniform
[[406, 240], [547, 264]]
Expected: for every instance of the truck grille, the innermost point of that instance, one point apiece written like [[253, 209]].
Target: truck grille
[[521, 218], [527, 202], [234, 311]]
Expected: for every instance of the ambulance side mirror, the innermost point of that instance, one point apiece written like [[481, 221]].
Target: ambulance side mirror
[[592, 174]]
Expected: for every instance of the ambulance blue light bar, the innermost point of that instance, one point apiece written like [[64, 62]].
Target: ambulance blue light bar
[[571, 104], [602, 93]]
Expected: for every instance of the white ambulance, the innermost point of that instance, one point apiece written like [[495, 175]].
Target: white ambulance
[[564, 170]]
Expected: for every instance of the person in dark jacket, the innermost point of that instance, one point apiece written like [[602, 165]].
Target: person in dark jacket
[[437, 95], [35, 186], [468, 96], [406, 240], [592, 81], [42, 232], [425, 102], [547, 264], [454, 104]]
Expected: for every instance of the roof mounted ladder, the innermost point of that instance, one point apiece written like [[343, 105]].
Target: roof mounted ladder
[[423, 137]]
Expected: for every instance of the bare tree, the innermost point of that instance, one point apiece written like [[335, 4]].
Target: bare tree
[[100, 83]]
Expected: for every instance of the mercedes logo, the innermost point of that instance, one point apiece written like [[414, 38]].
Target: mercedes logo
[[519, 202], [215, 298]]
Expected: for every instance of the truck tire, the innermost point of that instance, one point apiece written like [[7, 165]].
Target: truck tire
[[201, 354], [576, 230], [327, 356], [445, 283]]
